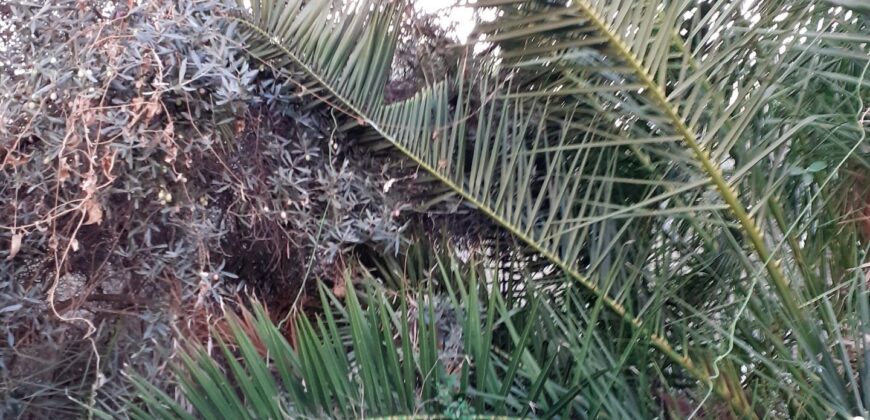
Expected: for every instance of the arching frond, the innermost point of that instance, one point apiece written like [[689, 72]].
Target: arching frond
[[723, 91], [611, 125], [500, 153]]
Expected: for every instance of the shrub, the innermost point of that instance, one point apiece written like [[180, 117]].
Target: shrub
[[146, 163]]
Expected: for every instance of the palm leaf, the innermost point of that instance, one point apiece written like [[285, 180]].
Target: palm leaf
[[348, 361], [710, 88], [509, 161], [612, 119]]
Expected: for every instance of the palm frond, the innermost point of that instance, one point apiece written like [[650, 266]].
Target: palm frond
[[731, 96], [501, 154], [659, 129], [451, 346]]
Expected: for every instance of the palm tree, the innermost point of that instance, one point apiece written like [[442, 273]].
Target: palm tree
[[683, 163], [443, 343]]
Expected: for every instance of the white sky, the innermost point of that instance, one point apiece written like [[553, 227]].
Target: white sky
[[462, 16]]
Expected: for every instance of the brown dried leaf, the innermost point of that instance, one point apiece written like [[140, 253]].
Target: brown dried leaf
[[171, 153], [94, 211], [15, 159], [108, 162], [168, 132], [138, 102], [339, 290], [15, 246], [63, 171], [151, 109], [73, 141], [89, 185]]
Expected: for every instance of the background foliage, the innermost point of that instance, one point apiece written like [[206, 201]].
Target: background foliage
[[618, 209]]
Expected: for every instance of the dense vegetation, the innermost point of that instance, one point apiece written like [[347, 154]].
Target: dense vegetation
[[326, 208]]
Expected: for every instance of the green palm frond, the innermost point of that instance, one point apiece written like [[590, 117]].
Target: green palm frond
[[666, 131], [730, 95], [448, 348], [631, 55], [502, 154]]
